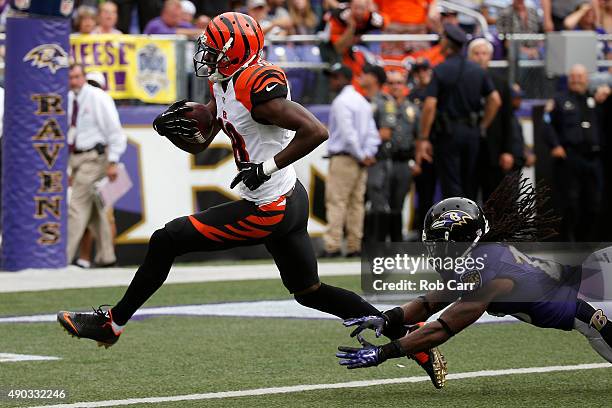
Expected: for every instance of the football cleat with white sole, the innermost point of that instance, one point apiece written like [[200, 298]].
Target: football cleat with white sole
[[96, 326]]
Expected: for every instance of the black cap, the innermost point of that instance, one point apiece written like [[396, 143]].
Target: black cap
[[339, 69], [421, 64], [377, 71], [448, 12], [455, 34]]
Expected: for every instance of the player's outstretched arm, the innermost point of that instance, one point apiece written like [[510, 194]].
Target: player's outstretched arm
[[309, 132], [423, 307], [393, 321], [457, 317]]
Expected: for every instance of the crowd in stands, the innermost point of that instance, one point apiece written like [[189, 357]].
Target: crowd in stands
[[286, 17], [340, 24]]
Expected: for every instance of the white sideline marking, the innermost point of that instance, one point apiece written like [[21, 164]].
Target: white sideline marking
[[73, 277], [313, 387], [287, 309], [11, 358]]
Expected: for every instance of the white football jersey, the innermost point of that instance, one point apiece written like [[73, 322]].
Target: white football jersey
[[253, 141]]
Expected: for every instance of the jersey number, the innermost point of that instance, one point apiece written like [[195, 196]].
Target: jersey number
[[238, 146], [552, 269]]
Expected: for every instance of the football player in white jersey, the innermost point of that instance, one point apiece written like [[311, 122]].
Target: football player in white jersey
[[252, 106]]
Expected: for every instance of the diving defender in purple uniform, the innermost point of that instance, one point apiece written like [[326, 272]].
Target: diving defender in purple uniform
[[540, 292]]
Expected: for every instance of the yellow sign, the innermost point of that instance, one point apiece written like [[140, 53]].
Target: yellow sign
[[135, 67]]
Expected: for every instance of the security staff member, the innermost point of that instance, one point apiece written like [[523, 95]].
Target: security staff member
[[403, 136], [425, 181], [575, 142], [496, 158], [454, 100], [421, 77], [379, 174]]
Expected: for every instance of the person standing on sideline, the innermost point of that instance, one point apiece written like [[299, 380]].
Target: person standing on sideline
[[496, 159], [451, 112], [425, 180], [96, 142], [378, 185], [353, 143], [85, 252], [573, 133], [403, 166]]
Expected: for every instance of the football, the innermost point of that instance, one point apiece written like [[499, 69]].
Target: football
[[204, 118]]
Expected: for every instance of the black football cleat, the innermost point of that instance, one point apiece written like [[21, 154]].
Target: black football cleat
[[95, 326], [434, 365]]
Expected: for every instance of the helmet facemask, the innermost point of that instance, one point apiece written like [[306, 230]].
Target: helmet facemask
[[208, 61]]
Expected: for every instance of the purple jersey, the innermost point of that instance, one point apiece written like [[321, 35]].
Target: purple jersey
[[157, 26], [544, 293]]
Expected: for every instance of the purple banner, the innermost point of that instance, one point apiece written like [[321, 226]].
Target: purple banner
[[34, 147]]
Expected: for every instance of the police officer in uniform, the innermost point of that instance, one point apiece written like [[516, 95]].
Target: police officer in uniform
[[403, 136], [450, 115], [574, 137], [379, 175], [421, 76], [425, 181]]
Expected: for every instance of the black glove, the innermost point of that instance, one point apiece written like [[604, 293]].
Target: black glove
[[251, 174], [171, 122]]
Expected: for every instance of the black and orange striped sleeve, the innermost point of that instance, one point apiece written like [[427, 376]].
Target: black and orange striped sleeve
[[260, 84]]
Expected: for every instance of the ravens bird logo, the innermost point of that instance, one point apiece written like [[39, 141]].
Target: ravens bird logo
[[51, 56], [450, 219]]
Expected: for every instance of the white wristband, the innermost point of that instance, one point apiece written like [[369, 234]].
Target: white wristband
[[269, 167]]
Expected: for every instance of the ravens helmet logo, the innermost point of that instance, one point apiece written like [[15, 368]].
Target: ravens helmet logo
[[450, 219], [51, 56]]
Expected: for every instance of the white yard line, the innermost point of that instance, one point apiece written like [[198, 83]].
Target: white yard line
[[74, 277], [282, 309], [313, 387], [12, 358]]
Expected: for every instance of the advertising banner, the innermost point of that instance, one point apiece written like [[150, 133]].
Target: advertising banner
[[135, 67]]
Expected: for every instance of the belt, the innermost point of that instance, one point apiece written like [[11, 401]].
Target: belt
[[100, 148], [469, 122], [340, 154]]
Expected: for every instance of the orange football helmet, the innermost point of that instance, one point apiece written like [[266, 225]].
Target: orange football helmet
[[231, 41]]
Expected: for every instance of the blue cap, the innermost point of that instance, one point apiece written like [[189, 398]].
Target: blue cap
[[455, 34]]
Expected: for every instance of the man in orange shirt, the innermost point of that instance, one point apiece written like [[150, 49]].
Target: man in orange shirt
[[408, 17], [346, 25], [414, 12]]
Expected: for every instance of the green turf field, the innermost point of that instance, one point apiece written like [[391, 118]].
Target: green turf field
[[166, 356]]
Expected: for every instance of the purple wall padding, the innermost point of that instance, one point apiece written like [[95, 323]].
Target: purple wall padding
[[34, 147]]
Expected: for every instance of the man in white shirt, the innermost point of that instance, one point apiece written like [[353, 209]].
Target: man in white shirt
[[96, 142], [352, 145]]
